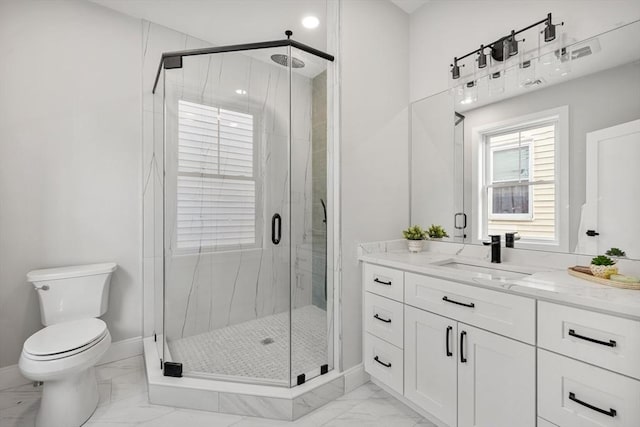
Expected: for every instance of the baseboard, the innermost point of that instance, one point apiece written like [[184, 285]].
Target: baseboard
[[122, 350], [354, 377], [10, 376]]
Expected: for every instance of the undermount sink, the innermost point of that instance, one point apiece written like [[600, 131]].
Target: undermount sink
[[493, 272]]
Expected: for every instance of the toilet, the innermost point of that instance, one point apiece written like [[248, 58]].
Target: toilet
[[63, 354]]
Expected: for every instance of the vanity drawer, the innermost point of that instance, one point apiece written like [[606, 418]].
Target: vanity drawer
[[574, 394], [384, 318], [505, 314], [384, 362], [607, 341], [383, 281]]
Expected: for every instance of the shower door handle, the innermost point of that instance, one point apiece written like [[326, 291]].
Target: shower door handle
[[276, 235]]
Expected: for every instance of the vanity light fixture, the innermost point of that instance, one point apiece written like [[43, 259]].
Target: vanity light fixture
[[504, 46], [241, 91], [512, 44], [482, 57], [550, 29], [455, 69]]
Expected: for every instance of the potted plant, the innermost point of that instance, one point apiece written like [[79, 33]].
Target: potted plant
[[436, 232], [616, 252], [603, 266], [415, 236]]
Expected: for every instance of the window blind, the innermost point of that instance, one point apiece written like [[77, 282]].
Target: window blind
[[216, 198]]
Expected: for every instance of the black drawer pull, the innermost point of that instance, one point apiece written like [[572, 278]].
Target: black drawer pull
[[470, 305], [611, 412], [381, 319], [386, 365], [611, 343], [382, 282], [449, 329], [462, 358]]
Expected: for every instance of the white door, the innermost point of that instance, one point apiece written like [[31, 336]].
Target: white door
[[430, 363], [496, 380], [613, 190]]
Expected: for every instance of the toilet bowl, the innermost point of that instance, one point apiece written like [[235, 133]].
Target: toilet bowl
[[63, 354], [63, 357]]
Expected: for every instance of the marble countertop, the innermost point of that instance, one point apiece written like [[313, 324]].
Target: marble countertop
[[545, 284]]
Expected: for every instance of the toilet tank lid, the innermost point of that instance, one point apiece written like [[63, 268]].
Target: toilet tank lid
[[71, 271]]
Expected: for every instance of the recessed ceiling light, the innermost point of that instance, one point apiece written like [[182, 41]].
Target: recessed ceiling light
[[310, 22], [241, 91]]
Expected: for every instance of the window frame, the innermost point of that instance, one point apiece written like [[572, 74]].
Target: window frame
[[490, 183], [479, 197], [256, 173]]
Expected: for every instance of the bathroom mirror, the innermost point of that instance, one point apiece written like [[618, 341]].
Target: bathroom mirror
[[549, 149]]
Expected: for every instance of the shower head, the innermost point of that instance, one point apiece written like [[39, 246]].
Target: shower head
[[283, 60]]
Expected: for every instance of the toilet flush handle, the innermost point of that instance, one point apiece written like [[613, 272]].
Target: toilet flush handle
[[43, 288]]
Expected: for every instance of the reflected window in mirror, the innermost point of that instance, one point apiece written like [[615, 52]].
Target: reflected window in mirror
[[518, 185]]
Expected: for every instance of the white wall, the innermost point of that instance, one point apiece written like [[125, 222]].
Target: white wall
[[441, 30], [70, 166], [373, 57]]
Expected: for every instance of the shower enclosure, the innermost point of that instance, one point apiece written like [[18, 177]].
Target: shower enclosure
[[241, 132]]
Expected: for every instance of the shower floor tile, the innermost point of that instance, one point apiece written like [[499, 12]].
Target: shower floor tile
[[258, 348]]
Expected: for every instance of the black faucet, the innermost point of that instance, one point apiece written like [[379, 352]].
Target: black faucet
[[510, 238], [495, 248]]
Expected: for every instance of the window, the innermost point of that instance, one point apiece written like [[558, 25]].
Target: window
[[216, 198], [508, 184], [522, 177]]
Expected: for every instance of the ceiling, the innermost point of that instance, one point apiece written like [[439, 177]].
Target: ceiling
[[410, 6], [224, 22]]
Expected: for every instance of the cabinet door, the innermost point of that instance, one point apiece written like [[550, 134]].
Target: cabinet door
[[430, 363], [496, 380]]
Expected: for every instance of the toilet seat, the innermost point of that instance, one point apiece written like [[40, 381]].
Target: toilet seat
[[64, 339]]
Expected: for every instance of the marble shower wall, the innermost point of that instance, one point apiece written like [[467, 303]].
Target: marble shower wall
[[319, 191], [209, 290]]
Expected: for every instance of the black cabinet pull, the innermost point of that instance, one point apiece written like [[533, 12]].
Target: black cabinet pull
[[470, 305], [592, 233], [449, 329], [611, 343], [386, 365], [462, 358], [275, 236], [611, 412], [381, 319], [382, 282]]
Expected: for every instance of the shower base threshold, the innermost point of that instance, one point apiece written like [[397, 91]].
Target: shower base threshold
[[237, 398]]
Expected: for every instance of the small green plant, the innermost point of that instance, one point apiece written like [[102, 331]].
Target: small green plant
[[602, 260], [436, 232], [616, 252], [414, 233]]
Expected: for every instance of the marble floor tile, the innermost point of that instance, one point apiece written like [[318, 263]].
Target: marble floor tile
[[124, 402]]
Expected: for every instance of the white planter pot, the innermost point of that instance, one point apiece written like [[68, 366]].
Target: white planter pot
[[603, 271], [415, 245]]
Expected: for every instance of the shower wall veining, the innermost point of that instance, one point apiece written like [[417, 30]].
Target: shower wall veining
[[210, 290]]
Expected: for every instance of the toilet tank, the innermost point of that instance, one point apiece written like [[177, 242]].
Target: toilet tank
[[72, 293]]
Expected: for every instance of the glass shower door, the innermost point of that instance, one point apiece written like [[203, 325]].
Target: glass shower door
[[311, 290], [227, 260]]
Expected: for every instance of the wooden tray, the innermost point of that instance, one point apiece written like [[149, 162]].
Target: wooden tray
[[579, 271]]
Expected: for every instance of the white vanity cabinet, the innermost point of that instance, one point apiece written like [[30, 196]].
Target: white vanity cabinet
[[604, 391], [466, 376], [470, 356], [461, 374]]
